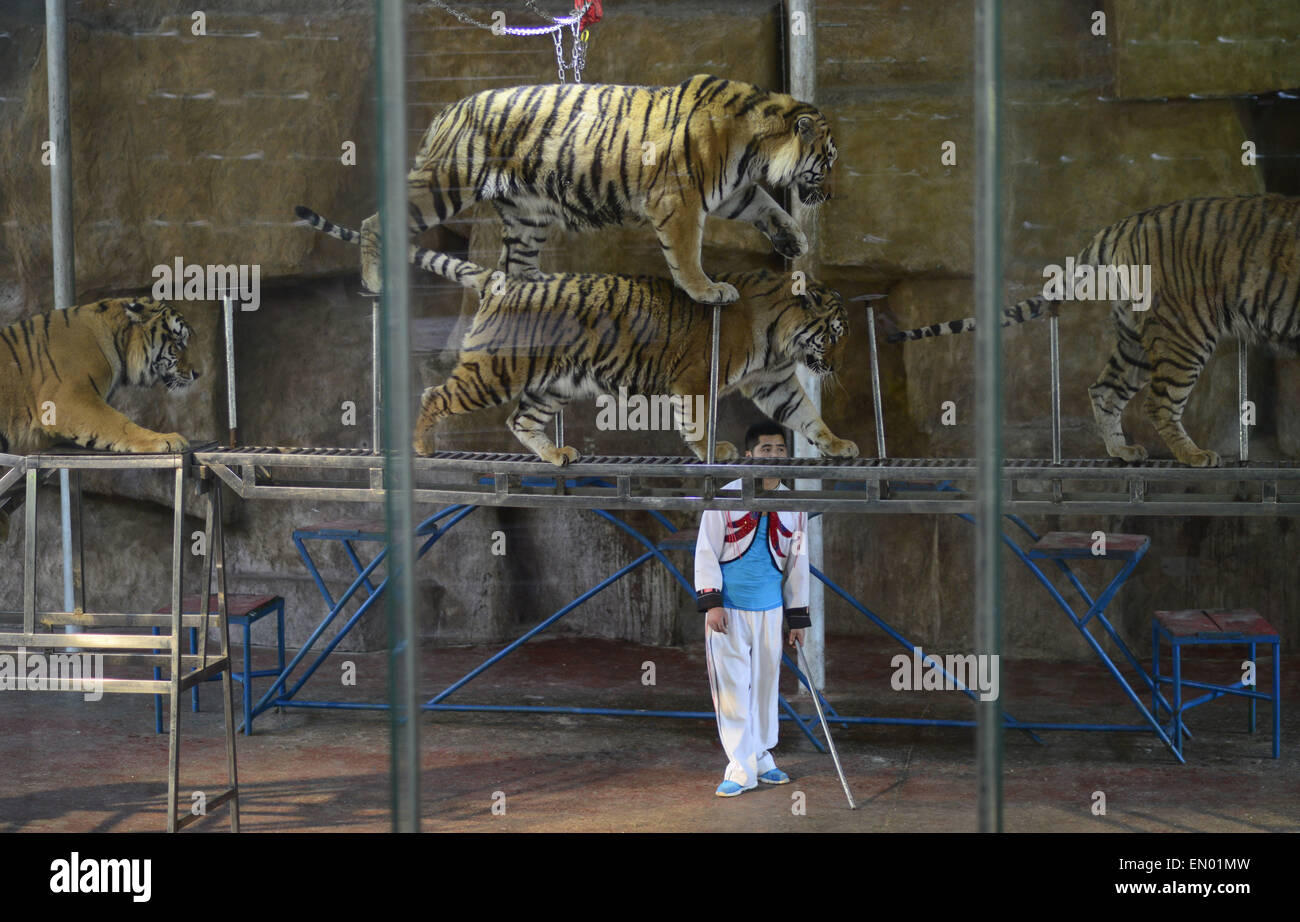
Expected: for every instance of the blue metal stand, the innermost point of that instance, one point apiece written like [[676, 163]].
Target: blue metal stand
[[282, 694], [1214, 627], [271, 605]]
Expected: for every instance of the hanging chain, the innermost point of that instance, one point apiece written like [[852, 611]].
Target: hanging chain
[[557, 24], [559, 53], [579, 54], [556, 31]]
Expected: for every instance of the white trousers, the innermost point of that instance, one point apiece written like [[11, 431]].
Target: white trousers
[[744, 667]]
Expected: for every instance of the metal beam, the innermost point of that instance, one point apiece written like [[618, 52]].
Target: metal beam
[[988, 391], [63, 254], [801, 45], [395, 310]]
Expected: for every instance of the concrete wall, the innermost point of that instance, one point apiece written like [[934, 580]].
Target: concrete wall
[[200, 146]]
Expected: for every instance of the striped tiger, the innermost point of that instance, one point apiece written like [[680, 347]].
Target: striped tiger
[[549, 339], [1218, 266], [590, 156], [57, 371]]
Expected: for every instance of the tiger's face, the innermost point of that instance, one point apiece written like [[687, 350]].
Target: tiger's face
[[819, 328], [159, 350], [817, 154], [797, 150]]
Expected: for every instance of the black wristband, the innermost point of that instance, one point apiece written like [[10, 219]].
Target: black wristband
[[798, 618]]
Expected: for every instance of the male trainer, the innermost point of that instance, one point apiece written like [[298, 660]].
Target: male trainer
[[750, 568]]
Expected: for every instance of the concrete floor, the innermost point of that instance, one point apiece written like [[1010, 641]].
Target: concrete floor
[[74, 766]]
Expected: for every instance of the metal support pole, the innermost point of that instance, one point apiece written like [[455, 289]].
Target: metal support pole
[[376, 388], [228, 311], [29, 555], [177, 620], [1054, 344], [79, 541], [876, 400], [1054, 337], [711, 454], [403, 666], [801, 45], [56, 69], [1243, 430], [988, 390]]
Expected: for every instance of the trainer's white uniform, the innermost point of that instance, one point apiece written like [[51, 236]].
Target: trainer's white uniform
[[745, 662]]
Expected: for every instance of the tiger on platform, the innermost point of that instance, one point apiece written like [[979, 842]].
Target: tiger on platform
[[555, 338], [57, 371], [590, 156]]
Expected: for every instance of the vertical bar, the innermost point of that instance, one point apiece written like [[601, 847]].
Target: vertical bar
[[79, 541], [56, 69], [1243, 430], [711, 455], [217, 552], [1054, 345], [1054, 338], [65, 528], [376, 388], [29, 555], [205, 590], [396, 361], [801, 44], [876, 401], [228, 310], [988, 390], [559, 429], [174, 737]]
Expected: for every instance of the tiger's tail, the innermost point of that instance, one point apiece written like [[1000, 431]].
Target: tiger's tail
[[1021, 312], [1098, 251], [460, 271]]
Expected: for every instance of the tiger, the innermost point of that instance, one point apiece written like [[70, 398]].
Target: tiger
[[1218, 266], [549, 339], [591, 156], [58, 369]]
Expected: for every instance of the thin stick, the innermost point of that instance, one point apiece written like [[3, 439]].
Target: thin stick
[[830, 743]]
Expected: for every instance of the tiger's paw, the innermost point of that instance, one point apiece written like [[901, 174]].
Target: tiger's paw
[[838, 448], [715, 293], [1129, 453], [790, 242], [725, 451], [1199, 458], [560, 457], [164, 444], [371, 277], [423, 442]]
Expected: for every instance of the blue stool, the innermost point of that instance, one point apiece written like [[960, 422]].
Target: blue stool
[[245, 611], [1217, 626]]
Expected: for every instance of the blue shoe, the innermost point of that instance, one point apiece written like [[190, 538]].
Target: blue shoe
[[774, 776], [729, 789]]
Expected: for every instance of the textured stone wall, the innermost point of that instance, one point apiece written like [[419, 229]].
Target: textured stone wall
[[199, 147]]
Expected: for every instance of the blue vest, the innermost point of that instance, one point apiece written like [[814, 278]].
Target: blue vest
[[751, 582]]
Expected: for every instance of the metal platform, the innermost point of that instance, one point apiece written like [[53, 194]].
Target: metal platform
[[865, 485]]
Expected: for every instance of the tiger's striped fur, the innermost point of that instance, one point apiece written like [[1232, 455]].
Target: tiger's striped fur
[[591, 156], [57, 371], [1219, 266], [549, 339]]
